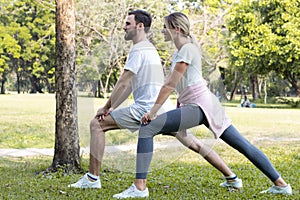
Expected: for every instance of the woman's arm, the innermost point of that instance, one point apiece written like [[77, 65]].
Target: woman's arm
[[166, 90]]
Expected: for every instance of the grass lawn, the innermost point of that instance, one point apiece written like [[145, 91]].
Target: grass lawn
[[28, 121]]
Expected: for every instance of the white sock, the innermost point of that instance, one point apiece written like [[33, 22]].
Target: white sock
[[92, 176], [231, 177]]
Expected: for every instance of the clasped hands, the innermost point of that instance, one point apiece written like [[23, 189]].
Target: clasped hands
[[103, 112], [147, 117]]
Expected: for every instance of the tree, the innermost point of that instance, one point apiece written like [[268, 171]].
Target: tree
[[265, 38], [66, 127], [28, 42], [9, 52]]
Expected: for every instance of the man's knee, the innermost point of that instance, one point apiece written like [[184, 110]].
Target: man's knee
[[95, 124], [104, 125]]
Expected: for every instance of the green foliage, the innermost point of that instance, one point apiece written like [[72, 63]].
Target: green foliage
[[295, 103], [29, 35], [263, 38]]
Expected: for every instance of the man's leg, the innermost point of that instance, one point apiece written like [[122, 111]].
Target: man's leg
[[97, 142], [97, 145]]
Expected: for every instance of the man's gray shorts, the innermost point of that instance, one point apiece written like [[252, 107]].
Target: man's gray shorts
[[125, 119]]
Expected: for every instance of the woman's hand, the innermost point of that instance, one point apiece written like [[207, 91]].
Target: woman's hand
[[102, 113], [147, 117]]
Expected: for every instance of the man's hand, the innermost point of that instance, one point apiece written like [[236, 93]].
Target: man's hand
[[147, 117], [102, 113]]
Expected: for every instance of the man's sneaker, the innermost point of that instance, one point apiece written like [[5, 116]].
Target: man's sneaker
[[235, 184], [132, 192], [287, 190], [84, 182]]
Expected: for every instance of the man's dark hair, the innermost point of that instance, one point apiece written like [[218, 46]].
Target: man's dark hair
[[141, 16]]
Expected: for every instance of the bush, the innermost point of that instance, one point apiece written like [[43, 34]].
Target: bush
[[290, 101]]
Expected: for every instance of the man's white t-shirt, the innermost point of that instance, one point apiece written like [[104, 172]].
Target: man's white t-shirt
[[143, 60]]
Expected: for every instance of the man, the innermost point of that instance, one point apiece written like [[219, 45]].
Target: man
[[142, 72], [143, 76]]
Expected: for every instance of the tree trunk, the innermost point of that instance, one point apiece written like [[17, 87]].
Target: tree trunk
[[67, 147], [222, 92], [235, 82], [35, 85], [296, 87], [99, 88], [265, 91], [2, 87], [94, 87], [3, 84], [18, 73], [255, 87], [18, 83]]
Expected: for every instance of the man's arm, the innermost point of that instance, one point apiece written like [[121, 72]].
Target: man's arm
[[121, 90], [119, 94]]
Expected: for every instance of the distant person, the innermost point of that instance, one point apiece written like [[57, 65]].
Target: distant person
[[246, 103], [197, 106], [143, 76]]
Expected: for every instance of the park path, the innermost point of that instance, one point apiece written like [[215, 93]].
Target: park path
[[83, 150], [112, 149], [50, 151]]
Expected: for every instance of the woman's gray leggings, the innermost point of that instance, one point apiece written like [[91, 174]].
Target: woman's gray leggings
[[187, 117]]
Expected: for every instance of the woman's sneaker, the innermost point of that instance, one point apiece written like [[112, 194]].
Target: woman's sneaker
[[84, 182], [235, 184], [132, 192], [287, 190]]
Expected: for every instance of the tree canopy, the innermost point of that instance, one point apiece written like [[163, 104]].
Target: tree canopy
[[28, 43], [264, 38], [249, 41]]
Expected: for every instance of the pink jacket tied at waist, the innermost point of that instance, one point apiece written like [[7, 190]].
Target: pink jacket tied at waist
[[200, 95]]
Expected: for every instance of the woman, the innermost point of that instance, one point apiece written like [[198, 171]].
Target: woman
[[197, 106]]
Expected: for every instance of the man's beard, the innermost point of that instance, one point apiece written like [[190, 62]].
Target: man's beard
[[130, 34]]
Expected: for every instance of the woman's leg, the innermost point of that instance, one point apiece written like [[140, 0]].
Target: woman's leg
[[232, 137], [172, 121], [207, 152], [180, 119]]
